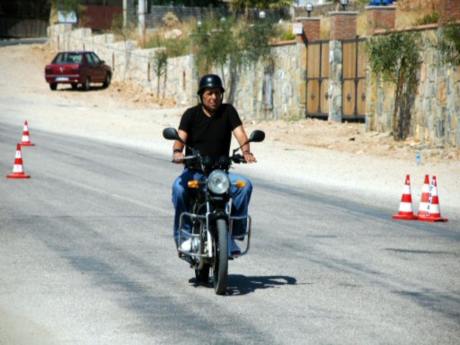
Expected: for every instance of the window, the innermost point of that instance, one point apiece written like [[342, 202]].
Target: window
[[95, 58], [89, 58], [63, 58]]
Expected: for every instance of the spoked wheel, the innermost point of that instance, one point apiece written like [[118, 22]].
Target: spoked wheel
[[220, 262], [199, 228]]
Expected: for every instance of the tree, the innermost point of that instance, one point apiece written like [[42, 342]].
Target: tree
[[396, 57], [65, 5], [62, 5], [186, 2]]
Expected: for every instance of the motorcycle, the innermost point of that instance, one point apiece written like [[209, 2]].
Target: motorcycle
[[210, 221]]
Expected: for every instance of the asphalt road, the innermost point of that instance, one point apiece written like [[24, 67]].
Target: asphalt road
[[87, 257]]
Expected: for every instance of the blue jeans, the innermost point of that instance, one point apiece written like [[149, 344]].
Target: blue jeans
[[240, 198]]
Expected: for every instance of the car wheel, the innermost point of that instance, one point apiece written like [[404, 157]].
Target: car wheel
[[108, 79], [74, 86], [86, 84], [53, 86]]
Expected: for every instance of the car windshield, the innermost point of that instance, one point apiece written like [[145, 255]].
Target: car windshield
[[62, 58]]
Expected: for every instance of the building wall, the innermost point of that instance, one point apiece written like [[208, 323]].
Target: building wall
[[99, 17]]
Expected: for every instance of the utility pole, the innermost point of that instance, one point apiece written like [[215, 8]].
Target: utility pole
[[127, 12], [141, 9]]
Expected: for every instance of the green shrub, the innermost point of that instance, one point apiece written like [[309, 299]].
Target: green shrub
[[173, 46], [449, 43], [287, 35], [397, 58], [218, 41], [431, 18]]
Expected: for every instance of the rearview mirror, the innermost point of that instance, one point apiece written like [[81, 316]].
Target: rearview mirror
[[171, 134], [257, 136]]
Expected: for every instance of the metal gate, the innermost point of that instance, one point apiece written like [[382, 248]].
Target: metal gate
[[317, 78], [354, 79]]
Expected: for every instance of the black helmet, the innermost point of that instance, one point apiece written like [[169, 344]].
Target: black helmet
[[210, 81]]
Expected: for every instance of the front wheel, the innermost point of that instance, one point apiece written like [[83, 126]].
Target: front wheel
[[87, 84], [202, 274], [107, 80], [220, 266]]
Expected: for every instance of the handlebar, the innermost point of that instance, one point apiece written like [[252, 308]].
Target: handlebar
[[235, 158]]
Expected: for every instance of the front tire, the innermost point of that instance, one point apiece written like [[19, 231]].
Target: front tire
[[87, 84], [202, 274], [107, 80], [220, 266]]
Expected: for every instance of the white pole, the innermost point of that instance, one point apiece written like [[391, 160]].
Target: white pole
[[141, 16], [125, 13]]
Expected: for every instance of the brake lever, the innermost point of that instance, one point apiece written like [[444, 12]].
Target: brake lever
[[238, 158]]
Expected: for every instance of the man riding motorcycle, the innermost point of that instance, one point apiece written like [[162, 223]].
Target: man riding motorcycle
[[207, 127]]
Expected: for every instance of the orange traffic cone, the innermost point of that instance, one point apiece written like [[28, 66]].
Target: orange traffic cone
[[405, 206], [18, 169], [433, 214], [25, 141], [425, 199]]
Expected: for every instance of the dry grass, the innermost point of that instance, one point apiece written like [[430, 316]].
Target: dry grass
[[350, 137], [408, 19]]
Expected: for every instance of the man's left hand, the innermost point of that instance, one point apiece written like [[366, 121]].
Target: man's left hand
[[249, 157]]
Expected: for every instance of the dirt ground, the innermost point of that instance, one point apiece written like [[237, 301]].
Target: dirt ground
[[344, 137]]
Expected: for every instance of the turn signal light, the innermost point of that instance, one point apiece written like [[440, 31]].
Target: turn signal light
[[240, 184], [193, 184]]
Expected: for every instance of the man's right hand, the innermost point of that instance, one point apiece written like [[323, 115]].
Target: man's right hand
[[178, 157]]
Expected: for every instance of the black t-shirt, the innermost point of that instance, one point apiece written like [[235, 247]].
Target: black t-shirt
[[210, 135]]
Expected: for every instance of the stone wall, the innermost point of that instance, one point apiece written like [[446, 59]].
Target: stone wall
[[435, 118], [129, 62], [276, 89], [268, 90], [260, 91]]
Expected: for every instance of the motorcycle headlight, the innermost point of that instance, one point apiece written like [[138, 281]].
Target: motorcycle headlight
[[218, 182]]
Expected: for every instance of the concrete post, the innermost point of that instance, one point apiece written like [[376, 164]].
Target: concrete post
[[335, 81], [311, 27]]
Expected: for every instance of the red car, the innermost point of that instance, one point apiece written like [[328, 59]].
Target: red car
[[77, 67]]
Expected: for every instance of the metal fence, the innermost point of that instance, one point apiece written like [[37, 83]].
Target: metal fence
[[156, 14], [184, 13]]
